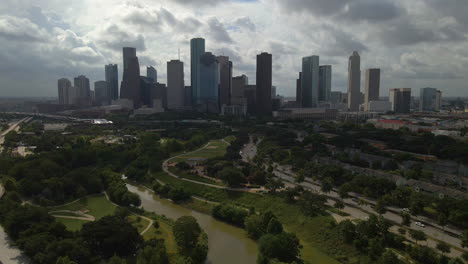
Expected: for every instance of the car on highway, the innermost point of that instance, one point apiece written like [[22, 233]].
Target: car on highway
[[419, 224]]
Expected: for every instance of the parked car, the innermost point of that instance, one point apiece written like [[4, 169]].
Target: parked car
[[419, 224]]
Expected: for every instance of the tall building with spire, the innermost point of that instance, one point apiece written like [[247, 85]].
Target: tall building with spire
[[310, 81], [354, 82], [152, 74], [197, 49], [112, 78], [130, 87], [372, 87], [264, 84]]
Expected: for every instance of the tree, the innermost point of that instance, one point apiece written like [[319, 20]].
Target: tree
[[380, 207], [186, 231], [339, 205], [388, 257], [405, 219], [347, 230], [443, 247], [464, 239], [274, 226], [232, 176], [327, 185], [116, 260], [417, 235], [284, 247], [254, 226], [111, 235], [65, 260], [153, 252]]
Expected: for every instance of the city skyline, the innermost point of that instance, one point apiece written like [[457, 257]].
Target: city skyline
[[408, 60]]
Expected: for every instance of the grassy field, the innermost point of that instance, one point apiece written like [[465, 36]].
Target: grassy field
[[72, 224], [97, 206], [319, 242], [215, 148], [189, 176]]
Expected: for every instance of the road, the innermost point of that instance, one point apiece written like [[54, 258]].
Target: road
[[14, 126], [165, 168], [353, 208]]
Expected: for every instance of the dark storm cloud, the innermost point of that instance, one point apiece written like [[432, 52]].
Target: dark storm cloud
[[316, 7], [406, 32], [371, 10], [218, 32]]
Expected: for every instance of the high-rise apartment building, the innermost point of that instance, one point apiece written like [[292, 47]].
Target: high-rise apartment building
[[112, 77], [130, 87], [101, 93], [197, 49], [372, 87], [429, 99], [64, 86], [400, 98], [264, 83], [325, 77], [354, 82], [152, 74], [83, 91], [175, 85], [310, 81], [225, 80]]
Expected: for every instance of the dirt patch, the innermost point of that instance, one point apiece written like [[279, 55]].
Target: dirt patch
[[212, 147]]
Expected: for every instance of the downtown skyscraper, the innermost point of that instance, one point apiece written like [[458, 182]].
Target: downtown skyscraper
[[208, 97], [130, 87], [64, 90], [175, 85], [264, 83], [325, 76], [225, 80], [152, 74], [310, 81], [372, 87], [354, 82], [112, 78], [197, 49]]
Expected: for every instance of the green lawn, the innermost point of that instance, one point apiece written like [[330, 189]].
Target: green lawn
[[97, 205], [319, 242], [72, 224], [215, 148], [189, 176]]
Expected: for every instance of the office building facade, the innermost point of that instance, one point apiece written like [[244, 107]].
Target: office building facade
[[354, 82], [112, 77], [208, 95], [264, 84], [325, 78], [175, 85], [299, 90], [429, 99], [64, 86], [197, 49], [82, 91], [310, 81], [400, 98], [225, 80], [101, 93], [130, 87], [152, 74], [372, 87]]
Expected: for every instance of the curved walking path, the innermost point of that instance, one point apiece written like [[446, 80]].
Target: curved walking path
[[165, 168]]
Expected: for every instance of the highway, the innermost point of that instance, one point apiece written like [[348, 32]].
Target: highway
[[14, 126]]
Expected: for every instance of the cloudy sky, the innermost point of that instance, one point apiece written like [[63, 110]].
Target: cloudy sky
[[416, 43]]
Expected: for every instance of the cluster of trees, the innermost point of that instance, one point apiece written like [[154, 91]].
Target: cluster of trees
[[236, 173], [311, 204], [191, 240], [46, 241], [231, 214], [232, 152], [175, 193], [274, 244], [117, 191]]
